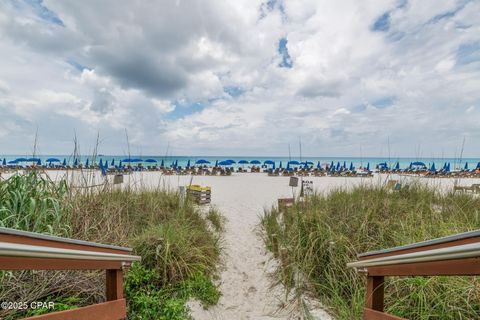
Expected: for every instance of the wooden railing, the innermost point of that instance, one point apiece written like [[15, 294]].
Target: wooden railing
[[20, 250], [457, 255]]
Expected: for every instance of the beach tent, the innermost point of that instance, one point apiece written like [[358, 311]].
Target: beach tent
[[255, 162], [87, 163], [188, 163], [112, 163], [64, 162], [202, 161], [150, 160], [243, 162], [466, 166]]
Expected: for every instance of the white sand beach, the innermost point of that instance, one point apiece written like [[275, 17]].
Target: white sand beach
[[245, 279]]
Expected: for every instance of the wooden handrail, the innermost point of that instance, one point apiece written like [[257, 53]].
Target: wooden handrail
[[20, 250], [457, 255]]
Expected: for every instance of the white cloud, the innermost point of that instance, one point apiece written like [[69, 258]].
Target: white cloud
[[160, 70]]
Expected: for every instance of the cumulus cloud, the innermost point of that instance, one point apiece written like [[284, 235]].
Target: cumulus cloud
[[241, 78]]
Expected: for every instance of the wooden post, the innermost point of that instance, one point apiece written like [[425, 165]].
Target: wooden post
[[375, 290], [114, 284]]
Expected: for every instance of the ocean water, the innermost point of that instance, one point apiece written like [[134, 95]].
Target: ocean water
[[183, 160]]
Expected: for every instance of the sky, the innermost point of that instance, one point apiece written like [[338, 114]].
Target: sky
[[344, 77]]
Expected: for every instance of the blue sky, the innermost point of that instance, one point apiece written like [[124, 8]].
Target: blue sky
[[349, 78]]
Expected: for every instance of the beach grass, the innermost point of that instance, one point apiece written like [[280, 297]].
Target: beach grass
[[179, 248], [315, 239]]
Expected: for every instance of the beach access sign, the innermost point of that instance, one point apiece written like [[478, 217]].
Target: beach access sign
[[307, 188]]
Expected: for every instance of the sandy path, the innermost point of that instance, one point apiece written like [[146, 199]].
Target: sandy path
[[245, 284]]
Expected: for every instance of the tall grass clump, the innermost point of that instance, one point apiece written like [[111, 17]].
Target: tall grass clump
[[316, 238], [179, 248]]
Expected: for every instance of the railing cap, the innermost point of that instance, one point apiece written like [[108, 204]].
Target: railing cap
[[41, 236], [459, 236]]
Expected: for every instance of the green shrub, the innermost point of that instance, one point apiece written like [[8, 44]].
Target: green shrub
[[316, 238]]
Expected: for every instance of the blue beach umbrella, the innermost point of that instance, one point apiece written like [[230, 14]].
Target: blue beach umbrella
[[231, 161], [397, 166], [39, 162], [176, 163], [332, 164], [162, 164], [224, 163], [113, 162], [432, 168], [150, 160], [106, 165], [294, 162], [351, 166], [120, 165], [338, 165], [448, 167], [318, 165], [76, 162], [368, 166], [255, 162], [188, 163], [202, 161], [466, 166], [418, 164], [478, 164], [12, 162], [101, 163], [216, 163], [21, 159], [270, 162], [243, 162], [4, 162], [344, 164], [288, 165], [280, 166], [87, 162], [53, 160], [64, 162]]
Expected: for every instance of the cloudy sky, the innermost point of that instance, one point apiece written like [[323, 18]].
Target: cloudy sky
[[219, 77]]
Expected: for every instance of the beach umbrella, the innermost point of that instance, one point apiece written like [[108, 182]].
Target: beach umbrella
[[113, 162], [231, 161], [294, 162], [432, 168], [288, 165], [318, 165], [216, 163], [188, 163], [224, 163], [332, 164], [150, 160], [243, 162], [120, 165], [397, 166], [255, 162], [5, 162], [87, 163], [101, 163], [53, 160], [39, 162], [280, 166], [106, 165], [104, 170], [12, 162], [411, 165], [418, 164], [176, 163], [173, 164], [351, 166], [478, 164], [202, 161], [21, 159], [271, 162], [338, 165], [368, 166], [64, 162], [76, 162], [448, 167], [344, 164], [162, 164], [466, 166]]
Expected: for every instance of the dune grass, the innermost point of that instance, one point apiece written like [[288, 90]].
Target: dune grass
[[179, 248], [316, 238]]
